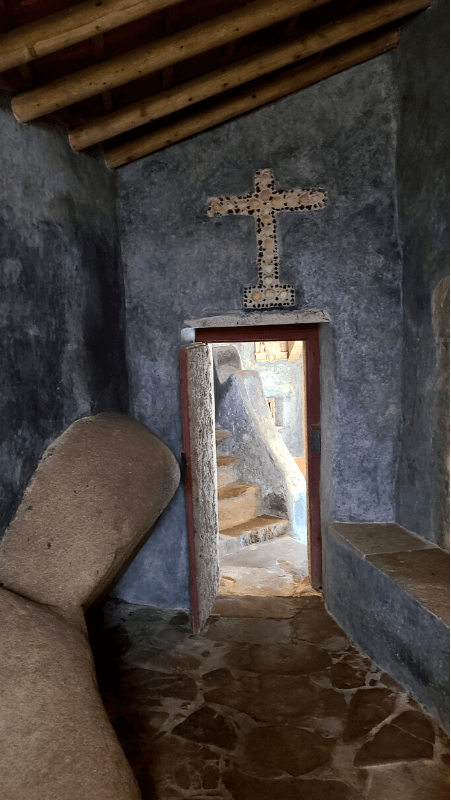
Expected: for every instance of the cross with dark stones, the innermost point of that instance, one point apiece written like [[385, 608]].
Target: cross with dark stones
[[264, 204]]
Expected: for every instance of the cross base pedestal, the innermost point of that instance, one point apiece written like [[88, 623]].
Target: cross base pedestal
[[275, 296]]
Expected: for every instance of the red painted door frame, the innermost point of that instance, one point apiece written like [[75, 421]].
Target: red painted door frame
[[308, 333]]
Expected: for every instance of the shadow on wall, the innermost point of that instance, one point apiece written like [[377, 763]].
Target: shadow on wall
[[440, 441], [265, 461]]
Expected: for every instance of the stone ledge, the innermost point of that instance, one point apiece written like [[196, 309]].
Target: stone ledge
[[388, 589], [418, 566], [243, 318]]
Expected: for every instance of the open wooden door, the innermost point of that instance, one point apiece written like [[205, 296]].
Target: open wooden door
[[198, 414]]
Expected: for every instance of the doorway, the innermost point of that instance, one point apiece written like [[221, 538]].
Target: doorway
[[198, 424], [260, 458]]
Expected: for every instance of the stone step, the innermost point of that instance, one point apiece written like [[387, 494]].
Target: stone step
[[227, 470], [257, 529], [221, 436], [237, 502]]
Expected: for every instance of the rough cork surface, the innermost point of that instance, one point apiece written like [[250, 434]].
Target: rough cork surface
[[95, 495], [271, 702], [56, 739]]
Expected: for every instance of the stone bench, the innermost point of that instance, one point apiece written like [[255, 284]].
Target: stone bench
[[389, 590], [95, 495]]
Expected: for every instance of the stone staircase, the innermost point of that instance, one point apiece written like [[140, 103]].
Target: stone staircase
[[241, 522]]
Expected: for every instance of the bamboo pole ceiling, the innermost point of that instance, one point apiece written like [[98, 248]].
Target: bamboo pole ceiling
[[134, 76]]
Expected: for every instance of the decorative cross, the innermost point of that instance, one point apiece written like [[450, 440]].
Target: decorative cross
[[263, 204]]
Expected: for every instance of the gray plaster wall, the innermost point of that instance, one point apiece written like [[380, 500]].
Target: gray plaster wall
[[422, 171], [62, 332], [282, 379], [180, 264]]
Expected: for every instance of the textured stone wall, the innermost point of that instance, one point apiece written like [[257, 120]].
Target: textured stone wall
[[441, 437], [374, 139], [61, 322], [421, 72], [181, 264]]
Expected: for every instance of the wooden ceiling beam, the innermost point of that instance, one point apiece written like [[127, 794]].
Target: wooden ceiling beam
[[291, 27], [155, 56], [98, 47], [5, 16], [170, 25], [251, 99], [8, 86], [241, 72], [228, 53], [56, 31]]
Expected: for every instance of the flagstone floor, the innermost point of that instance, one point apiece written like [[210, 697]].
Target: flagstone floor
[[275, 567], [271, 702]]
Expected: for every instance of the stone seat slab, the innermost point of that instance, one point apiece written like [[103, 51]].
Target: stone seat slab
[[422, 573], [370, 538], [389, 590], [420, 567]]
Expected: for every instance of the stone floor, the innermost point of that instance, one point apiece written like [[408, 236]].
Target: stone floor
[[275, 567], [270, 702]]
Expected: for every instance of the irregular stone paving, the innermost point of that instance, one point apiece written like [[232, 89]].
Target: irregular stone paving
[[275, 567], [271, 702]]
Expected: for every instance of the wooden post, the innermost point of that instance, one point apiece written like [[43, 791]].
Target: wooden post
[[250, 99], [240, 72], [155, 56]]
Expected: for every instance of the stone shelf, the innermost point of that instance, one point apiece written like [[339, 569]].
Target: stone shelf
[[243, 318]]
